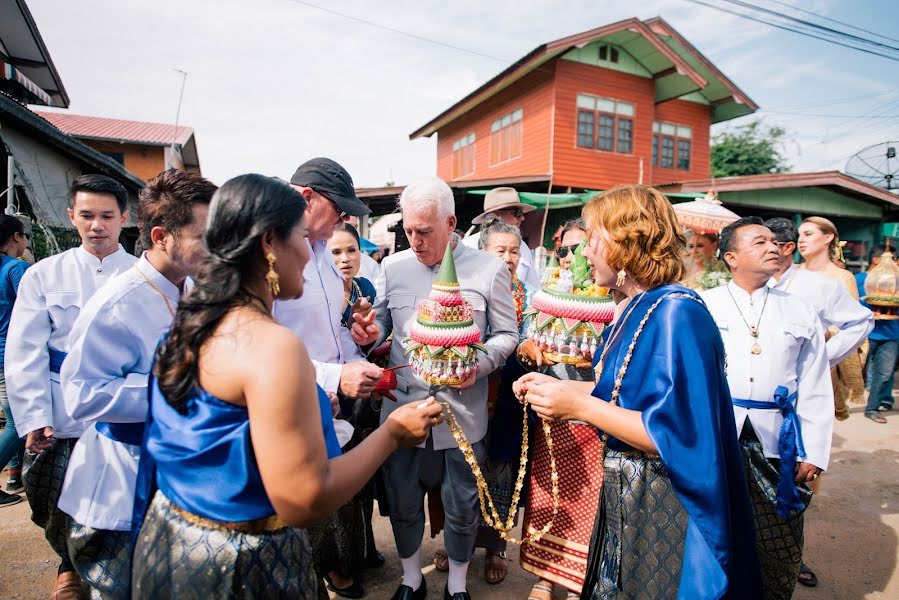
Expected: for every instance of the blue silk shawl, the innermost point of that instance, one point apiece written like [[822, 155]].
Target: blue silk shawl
[[676, 378]]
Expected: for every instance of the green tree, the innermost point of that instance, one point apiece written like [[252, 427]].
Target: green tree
[[751, 149]]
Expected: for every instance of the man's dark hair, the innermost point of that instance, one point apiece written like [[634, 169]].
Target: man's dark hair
[[876, 251], [726, 243], [168, 201], [99, 184], [9, 226], [784, 229]]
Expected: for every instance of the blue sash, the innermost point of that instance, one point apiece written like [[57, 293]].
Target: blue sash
[[124, 433], [789, 446], [56, 358]]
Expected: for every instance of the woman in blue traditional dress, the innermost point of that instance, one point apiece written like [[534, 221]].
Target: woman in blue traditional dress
[[234, 461], [674, 519]]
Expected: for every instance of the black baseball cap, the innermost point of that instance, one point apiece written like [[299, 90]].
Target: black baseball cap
[[326, 176]]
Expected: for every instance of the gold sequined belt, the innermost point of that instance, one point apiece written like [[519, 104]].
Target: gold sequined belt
[[268, 524]]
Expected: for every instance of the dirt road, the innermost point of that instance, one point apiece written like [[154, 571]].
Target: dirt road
[[852, 533]]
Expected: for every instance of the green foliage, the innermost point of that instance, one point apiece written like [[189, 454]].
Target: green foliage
[[751, 149], [42, 247], [580, 268]]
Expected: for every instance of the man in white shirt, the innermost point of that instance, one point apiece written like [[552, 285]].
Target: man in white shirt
[[777, 371], [50, 298], [504, 204], [315, 317], [406, 278], [832, 303], [104, 377]]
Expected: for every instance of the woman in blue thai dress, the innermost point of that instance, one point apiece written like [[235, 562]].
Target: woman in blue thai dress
[[235, 462], [674, 518]]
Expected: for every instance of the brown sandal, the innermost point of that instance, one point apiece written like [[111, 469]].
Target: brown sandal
[[441, 561], [495, 569]]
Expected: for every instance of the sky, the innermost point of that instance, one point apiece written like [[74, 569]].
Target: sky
[[274, 82]]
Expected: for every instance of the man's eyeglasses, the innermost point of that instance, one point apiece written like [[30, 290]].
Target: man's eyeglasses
[[340, 214], [563, 251], [514, 211]]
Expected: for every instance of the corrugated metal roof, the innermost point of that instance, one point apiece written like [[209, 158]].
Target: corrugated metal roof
[[102, 128]]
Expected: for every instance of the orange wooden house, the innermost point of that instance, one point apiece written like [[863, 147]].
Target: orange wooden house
[[627, 102]]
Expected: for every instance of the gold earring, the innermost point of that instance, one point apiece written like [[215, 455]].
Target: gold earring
[[271, 278], [622, 274]]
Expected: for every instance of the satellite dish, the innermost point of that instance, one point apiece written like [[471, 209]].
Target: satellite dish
[[877, 165]]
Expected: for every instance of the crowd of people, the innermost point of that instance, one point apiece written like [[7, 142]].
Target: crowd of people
[[219, 416]]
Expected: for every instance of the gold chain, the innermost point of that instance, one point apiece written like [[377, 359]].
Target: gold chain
[[168, 302], [493, 519]]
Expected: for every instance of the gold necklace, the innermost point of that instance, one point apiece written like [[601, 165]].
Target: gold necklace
[[168, 303], [753, 329], [492, 517], [597, 370]]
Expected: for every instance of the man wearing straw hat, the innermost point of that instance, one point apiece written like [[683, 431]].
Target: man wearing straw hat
[[503, 204]]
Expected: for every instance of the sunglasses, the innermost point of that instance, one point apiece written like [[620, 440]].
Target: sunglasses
[[340, 213], [563, 251]]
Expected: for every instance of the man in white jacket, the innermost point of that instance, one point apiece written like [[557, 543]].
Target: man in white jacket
[[105, 376], [777, 371], [50, 297]]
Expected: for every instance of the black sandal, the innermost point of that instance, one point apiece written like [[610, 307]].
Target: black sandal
[[811, 580], [355, 590]]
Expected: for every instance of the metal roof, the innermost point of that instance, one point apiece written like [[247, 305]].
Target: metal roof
[[21, 45], [117, 130], [34, 125]]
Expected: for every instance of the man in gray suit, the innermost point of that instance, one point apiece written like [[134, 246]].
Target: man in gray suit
[[406, 277]]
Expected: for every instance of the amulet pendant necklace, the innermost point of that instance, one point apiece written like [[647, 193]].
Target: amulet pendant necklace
[[756, 348]]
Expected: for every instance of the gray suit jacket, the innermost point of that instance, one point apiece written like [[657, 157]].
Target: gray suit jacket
[[487, 284]]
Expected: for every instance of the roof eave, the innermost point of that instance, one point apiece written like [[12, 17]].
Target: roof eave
[[60, 88]]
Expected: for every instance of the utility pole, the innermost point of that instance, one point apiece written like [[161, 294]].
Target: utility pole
[[177, 115]]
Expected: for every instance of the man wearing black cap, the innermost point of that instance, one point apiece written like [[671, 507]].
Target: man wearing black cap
[[315, 317]]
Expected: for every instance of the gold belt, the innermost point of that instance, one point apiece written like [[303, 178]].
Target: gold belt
[[268, 524]]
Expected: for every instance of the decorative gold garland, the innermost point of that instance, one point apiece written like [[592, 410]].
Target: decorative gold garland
[[493, 519]]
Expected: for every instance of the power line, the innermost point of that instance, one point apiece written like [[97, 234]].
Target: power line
[[786, 28], [802, 114], [414, 36], [844, 24], [804, 22]]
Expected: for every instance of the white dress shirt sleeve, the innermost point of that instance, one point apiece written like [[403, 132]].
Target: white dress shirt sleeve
[[501, 321], [853, 320], [526, 271], [27, 364], [98, 378], [382, 313], [815, 399]]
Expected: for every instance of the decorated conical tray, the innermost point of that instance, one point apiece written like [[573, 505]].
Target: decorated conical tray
[[444, 340], [568, 314], [882, 287]]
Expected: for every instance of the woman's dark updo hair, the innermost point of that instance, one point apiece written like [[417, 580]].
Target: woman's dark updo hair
[[241, 212], [9, 226], [352, 231]]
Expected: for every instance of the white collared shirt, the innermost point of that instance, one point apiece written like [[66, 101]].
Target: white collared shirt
[[49, 300], [526, 271], [834, 306], [792, 355], [105, 379], [369, 268], [315, 318]]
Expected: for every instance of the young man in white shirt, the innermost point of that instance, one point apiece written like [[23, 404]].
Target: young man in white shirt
[[50, 297], [777, 371], [105, 376]]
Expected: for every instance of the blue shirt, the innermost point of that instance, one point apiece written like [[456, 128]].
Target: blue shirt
[[884, 329], [11, 271]]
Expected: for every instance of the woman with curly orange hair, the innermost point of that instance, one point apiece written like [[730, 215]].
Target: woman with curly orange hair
[[674, 519]]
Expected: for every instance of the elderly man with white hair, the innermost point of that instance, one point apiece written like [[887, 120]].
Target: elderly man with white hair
[[406, 277]]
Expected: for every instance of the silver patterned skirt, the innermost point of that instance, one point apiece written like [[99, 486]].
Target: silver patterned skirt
[[638, 545], [177, 557]]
